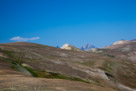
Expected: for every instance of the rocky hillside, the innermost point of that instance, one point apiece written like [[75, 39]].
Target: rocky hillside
[[122, 49], [70, 47], [23, 65]]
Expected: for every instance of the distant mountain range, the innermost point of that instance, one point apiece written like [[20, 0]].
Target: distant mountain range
[[87, 47]]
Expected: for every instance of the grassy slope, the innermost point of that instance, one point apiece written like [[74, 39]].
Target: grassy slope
[[51, 62]]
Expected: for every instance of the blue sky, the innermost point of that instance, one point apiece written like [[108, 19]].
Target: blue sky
[[77, 22]]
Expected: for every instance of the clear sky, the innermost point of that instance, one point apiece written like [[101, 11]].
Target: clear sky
[[77, 22]]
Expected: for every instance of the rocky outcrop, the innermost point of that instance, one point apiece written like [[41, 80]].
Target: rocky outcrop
[[69, 47], [121, 42]]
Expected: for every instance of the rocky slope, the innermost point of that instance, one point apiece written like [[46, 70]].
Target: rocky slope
[[70, 47], [63, 70], [123, 49]]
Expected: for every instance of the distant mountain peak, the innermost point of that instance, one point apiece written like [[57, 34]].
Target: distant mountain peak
[[69, 47], [87, 47], [66, 46]]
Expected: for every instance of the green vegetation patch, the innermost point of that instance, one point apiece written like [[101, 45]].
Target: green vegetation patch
[[8, 53], [52, 75], [33, 73], [12, 56], [89, 63], [108, 66], [108, 55]]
